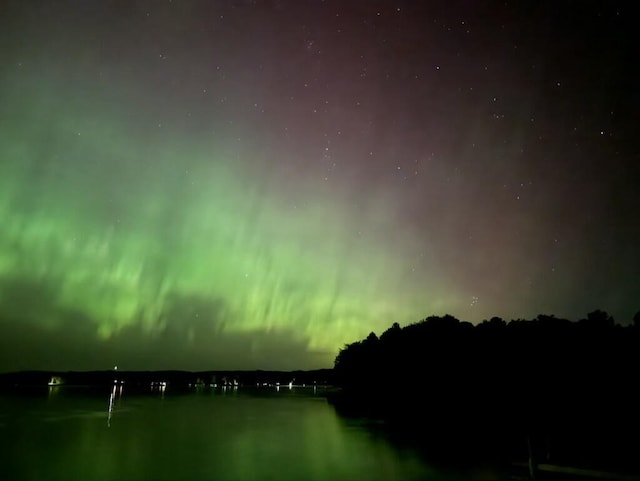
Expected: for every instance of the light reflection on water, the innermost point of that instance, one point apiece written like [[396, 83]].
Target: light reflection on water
[[232, 433], [116, 394]]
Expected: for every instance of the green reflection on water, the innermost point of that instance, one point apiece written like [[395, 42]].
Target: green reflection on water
[[242, 434]]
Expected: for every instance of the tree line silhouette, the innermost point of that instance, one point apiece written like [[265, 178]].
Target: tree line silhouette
[[556, 389]]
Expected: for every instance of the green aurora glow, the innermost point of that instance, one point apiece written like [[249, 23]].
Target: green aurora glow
[[251, 185], [121, 228]]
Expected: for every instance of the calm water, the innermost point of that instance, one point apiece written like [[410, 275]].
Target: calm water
[[232, 434]]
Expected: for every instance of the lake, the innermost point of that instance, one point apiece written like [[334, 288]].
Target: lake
[[265, 433]]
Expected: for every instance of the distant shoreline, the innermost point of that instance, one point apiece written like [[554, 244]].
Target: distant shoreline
[[172, 378]]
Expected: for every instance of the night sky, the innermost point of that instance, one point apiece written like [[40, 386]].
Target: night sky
[[253, 184]]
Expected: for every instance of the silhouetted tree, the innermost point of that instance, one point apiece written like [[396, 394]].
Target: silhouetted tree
[[524, 379], [598, 319], [392, 333]]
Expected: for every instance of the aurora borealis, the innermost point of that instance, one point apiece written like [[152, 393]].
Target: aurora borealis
[[251, 185]]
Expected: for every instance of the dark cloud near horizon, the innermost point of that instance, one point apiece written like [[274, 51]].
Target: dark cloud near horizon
[[192, 338]]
